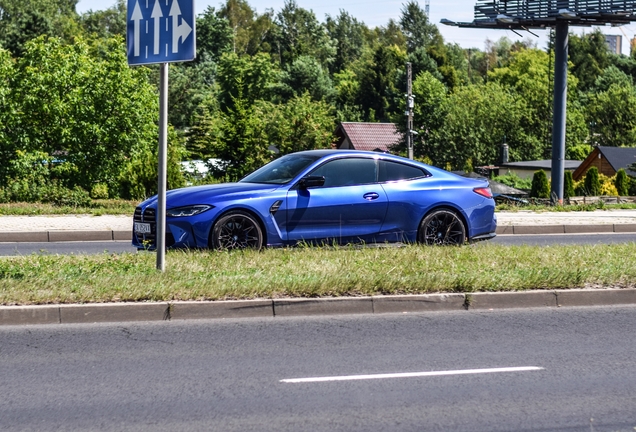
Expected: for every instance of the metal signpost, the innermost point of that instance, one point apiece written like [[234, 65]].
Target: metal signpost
[[523, 15], [161, 31]]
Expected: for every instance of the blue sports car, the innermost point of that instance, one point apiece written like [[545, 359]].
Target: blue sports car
[[325, 196]]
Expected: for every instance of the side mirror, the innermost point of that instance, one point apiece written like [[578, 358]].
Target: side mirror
[[311, 181]]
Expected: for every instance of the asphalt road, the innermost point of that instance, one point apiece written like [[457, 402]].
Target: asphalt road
[[97, 247], [227, 375]]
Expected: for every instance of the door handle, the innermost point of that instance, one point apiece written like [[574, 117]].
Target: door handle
[[370, 196]]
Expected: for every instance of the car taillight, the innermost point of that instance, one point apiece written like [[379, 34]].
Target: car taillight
[[483, 191]]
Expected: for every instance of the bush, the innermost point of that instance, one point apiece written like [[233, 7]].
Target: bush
[[99, 191], [622, 182], [592, 182], [513, 180], [568, 185], [540, 187]]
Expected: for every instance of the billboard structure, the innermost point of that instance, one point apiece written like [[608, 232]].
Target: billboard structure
[[520, 15]]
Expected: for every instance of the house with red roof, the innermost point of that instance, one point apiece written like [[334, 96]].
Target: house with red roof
[[378, 137]]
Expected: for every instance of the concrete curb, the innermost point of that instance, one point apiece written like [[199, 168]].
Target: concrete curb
[[264, 308], [107, 235]]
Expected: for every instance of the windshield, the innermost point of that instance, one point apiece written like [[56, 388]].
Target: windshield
[[282, 170]]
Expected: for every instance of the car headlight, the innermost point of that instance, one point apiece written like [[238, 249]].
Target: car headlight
[[187, 210]]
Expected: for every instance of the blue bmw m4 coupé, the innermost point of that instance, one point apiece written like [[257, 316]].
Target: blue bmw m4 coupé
[[325, 196]]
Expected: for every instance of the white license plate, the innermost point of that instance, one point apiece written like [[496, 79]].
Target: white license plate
[[142, 228]]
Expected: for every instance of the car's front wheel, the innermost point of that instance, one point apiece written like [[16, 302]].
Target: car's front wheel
[[236, 230], [442, 227]]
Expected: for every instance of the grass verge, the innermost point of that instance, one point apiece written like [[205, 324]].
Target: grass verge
[[97, 208], [312, 272]]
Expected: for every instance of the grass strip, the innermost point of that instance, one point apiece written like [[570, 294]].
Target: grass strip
[[311, 272]]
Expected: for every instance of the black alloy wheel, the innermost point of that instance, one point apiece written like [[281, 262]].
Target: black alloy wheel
[[442, 227], [236, 230]]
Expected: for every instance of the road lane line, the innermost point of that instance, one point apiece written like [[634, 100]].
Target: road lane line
[[411, 374]]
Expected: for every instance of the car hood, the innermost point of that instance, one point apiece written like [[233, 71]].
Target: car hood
[[209, 194]]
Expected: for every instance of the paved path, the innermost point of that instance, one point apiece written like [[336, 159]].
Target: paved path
[[123, 223], [80, 227]]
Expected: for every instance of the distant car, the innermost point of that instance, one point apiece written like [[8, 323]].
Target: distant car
[[325, 197]]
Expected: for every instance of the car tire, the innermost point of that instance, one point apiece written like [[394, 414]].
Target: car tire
[[236, 230], [442, 227]]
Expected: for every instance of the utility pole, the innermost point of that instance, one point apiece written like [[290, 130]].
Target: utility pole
[[409, 109]]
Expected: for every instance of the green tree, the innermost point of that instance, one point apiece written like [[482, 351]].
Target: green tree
[[592, 182], [92, 112], [379, 94], [540, 187], [23, 20], [476, 119], [250, 77], [215, 36], [106, 23], [300, 124], [612, 116], [417, 28], [305, 75], [300, 33], [589, 56], [349, 37], [622, 182], [568, 185]]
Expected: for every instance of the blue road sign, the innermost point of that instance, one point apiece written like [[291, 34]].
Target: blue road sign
[[160, 31]]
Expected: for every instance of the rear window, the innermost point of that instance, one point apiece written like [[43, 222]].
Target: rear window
[[395, 171]]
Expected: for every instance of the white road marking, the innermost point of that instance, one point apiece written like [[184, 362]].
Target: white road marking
[[411, 374]]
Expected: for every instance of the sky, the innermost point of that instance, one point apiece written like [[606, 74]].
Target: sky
[[378, 12]]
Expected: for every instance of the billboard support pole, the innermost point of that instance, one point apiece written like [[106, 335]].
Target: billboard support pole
[[162, 168], [559, 115]]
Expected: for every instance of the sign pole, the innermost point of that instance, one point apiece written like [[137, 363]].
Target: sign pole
[[162, 167]]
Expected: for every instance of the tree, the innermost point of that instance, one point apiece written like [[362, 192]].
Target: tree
[[300, 33], [305, 75], [612, 116], [568, 185], [622, 182], [215, 36], [540, 187], [592, 182], [23, 20], [106, 23], [300, 124], [250, 77], [476, 119], [92, 113], [418, 30], [589, 56], [349, 37], [379, 94]]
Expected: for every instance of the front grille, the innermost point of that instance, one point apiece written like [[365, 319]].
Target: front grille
[[147, 216], [150, 240]]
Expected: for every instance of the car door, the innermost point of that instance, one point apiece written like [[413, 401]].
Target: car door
[[350, 206]]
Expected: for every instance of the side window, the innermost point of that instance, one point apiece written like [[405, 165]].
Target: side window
[[347, 172], [394, 171]]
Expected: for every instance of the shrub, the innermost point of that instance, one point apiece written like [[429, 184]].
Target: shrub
[[513, 180], [568, 185], [592, 182], [99, 191], [622, 182], [540, 187]]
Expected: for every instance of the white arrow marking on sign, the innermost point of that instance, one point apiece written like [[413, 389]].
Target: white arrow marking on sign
[[156, 15], [178, 31], [136, 19]]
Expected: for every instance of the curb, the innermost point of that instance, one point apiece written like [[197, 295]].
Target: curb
[[264, 308], [106, 235]]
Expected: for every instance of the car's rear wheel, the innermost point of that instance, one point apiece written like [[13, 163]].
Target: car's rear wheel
[[236, 230], [442, 227]]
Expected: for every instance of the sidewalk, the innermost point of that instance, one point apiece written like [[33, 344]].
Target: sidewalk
[[101, 228]]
